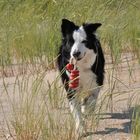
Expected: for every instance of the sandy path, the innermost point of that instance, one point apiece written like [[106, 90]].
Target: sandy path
[[112, 126]]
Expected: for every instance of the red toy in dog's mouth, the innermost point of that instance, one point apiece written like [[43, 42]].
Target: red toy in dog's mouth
[[74, 74]]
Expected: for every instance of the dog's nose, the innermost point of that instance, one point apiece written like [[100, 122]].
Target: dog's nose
[[76, 54]]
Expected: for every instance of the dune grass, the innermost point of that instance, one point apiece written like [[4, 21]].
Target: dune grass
[[36, 108], [30, 37], [31, 28]]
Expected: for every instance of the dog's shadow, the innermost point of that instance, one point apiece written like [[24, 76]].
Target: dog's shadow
[[126, 126]]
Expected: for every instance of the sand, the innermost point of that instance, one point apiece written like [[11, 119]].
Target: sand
[[115, 121]]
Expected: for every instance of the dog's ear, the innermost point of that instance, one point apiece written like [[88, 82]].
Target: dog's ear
[[67, 27], [91, 28]]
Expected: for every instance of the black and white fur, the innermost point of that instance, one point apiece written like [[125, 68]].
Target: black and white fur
[[81, 43]]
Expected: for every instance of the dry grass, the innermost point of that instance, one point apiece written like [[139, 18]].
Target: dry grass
[[35, 106]]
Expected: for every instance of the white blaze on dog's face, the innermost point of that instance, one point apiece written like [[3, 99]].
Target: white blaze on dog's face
[[79, 41], [78, 49]]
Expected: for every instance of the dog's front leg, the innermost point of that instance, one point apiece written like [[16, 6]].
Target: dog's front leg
[[75, 107], [89, 103]]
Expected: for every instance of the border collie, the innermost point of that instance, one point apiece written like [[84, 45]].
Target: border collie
[[81, 43]]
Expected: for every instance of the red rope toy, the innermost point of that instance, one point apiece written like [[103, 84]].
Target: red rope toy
[[74, 76]]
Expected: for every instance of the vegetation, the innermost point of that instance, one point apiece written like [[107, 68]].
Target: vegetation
[[31, 28]]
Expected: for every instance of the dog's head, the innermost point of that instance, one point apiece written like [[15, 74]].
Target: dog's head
[[77, 40]]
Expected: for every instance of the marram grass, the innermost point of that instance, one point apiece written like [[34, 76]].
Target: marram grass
[[30, 28]]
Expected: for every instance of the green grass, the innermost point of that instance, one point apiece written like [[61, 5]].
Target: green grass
[[136, 123], [31, 28]]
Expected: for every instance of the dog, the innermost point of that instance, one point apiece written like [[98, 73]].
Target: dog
[[82, 44]]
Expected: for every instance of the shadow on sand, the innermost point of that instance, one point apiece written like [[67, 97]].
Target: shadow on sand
[[126, 127]]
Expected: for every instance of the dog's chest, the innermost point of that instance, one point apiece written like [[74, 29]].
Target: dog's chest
[[87, 78]]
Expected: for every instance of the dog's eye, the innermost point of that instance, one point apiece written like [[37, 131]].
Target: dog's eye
[[84, 41]]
